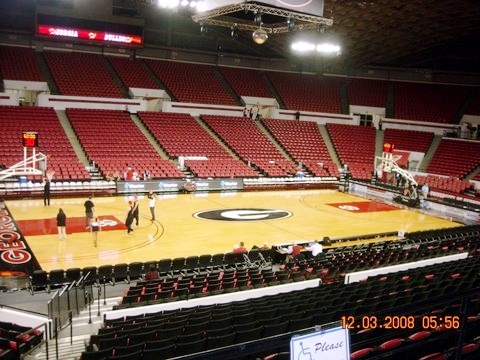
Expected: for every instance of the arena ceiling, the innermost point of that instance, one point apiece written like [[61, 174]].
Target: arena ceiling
[[425, 34], [415, 34]]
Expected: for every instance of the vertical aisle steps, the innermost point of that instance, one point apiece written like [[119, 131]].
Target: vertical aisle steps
[[71, 345]]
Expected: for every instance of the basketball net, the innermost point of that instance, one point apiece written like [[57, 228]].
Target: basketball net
[[50, 174]]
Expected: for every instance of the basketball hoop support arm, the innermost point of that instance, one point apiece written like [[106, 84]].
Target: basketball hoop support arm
[[387, 163], [29, 166]]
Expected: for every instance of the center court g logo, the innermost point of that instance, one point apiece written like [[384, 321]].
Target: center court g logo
[[243, 214]]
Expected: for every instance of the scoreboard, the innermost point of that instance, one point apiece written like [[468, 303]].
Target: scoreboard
[[30, 139], [90, 31]]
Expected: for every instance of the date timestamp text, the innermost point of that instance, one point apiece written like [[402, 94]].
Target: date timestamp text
[[425, 322]]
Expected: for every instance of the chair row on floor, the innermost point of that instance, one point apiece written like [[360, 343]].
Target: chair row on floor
[[320, 305], [16, 340], [41, 279], [337, 262], [196, 285]]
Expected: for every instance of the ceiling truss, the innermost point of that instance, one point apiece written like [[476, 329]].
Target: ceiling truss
[[217, 17]]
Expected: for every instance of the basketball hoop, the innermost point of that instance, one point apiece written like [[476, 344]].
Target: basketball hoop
[[50, 174]]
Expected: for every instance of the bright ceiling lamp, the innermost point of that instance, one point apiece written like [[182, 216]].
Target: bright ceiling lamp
[[198, 5], [168, 4], [303, 46], [312, 45], [326, 48]]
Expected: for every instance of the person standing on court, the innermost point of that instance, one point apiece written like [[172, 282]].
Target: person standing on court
[[95, 227], [46, 191], [151, 203], [62, 224], [89, 206]]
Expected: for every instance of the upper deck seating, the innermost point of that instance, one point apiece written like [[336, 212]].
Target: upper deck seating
[[368, 92], [428, 102], [18, 63], [81, 74], [192, 83], [246, 82], [474, 106], [306, 92], [132, 73]]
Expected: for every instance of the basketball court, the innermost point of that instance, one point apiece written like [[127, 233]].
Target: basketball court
[[204, 223]]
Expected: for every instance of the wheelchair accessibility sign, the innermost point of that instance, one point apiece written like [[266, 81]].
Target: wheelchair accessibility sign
[[330, 344]]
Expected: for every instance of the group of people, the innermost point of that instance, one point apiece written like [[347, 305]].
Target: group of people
[[241, 249], [253, 112], [133, 175], [93, 223], [133, 211], [296, 253]]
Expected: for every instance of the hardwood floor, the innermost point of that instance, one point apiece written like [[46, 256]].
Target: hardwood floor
[[304, 215]]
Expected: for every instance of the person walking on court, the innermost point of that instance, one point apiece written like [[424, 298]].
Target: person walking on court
[[89, 206], [46, 191], [129, 218], [95, 227], [136, 209], [151, 203], [62, 224]]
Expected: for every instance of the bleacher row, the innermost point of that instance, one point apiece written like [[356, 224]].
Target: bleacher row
[[186, 82], [16, 340], [419, 293], [319, 94], [243, 137]]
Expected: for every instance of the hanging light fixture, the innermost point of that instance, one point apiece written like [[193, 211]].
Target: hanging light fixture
[[259, 36], [258, 18], [234, 31], [290, 23]]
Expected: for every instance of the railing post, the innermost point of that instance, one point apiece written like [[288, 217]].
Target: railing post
[[89, 299]]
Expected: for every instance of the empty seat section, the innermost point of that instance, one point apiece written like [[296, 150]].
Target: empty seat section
[[81, 74], [244, 137], [192, 83], [409, 140], [246, 82], [19, 63], [455, 158], [368, 92], [114, 142], [182, 135], [132, 73], [443, 183], [304, 142], [307, 92], [53, 142], [355, 146], [428, 102]]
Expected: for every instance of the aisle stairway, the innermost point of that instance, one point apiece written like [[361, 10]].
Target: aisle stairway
[[71, 340]]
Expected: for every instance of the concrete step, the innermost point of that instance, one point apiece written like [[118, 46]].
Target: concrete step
[[71, 341]]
